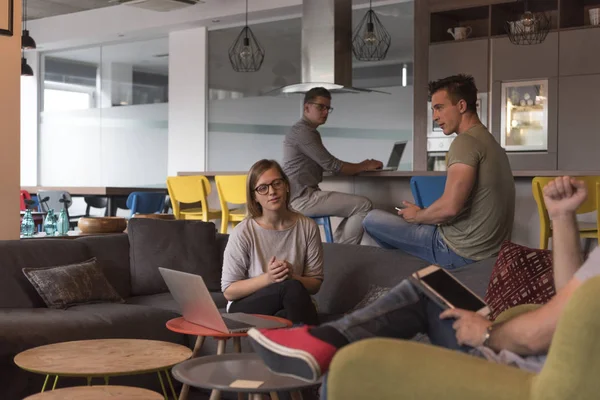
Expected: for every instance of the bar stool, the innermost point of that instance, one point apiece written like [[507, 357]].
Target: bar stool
[[325, 222]]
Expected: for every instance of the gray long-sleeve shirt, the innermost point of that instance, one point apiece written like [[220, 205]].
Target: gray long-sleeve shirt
[[305, 158]]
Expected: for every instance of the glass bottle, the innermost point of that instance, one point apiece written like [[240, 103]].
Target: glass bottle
[[27, 224], [50, 223], [63, 223]]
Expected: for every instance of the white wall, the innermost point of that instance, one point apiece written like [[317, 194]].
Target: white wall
[[361, 126], [187, 100]]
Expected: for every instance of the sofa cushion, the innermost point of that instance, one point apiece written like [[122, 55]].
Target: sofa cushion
[[68, 285], [351, 269], [15, 289], [23, 329], [166, 301], [374, 293], [112, 255], [187, 246], [521, 275]]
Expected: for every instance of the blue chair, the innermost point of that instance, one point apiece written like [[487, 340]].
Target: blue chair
[[325, 222], [427, 189], [146, 202]]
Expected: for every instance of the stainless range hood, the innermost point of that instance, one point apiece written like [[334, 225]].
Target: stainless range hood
[[326, 48]]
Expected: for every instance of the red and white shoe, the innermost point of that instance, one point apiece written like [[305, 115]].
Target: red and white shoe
[[292, 352]]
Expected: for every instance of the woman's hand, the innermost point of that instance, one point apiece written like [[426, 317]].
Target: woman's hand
[[278, 271]]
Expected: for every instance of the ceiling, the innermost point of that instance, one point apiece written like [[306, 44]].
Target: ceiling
[[50, 8], [282, 38]]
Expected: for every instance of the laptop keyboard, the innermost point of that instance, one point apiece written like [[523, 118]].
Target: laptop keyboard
[[233, 325]]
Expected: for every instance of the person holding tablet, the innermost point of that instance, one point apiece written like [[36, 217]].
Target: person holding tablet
[[273, 260], [523, 341]]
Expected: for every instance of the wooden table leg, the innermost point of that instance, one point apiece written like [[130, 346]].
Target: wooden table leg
[[185, 389], [216, 394], [237, 344], [274, 396], [296, 395], [198, 345]]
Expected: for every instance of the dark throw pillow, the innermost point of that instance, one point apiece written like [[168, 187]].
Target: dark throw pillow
[[520, 276], [187, 246], [75, 284]]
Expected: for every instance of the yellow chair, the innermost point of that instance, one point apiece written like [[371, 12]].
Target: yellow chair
[[587, 230], [231, 189], [191, 189]]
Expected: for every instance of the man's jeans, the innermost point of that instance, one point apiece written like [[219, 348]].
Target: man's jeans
[[401, 314], [424, 241]]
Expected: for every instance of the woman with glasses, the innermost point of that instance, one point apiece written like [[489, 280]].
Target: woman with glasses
[[273, 261]]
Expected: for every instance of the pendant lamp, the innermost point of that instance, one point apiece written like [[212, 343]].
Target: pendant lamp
[[246, 54], [27, 41], [370, 40]]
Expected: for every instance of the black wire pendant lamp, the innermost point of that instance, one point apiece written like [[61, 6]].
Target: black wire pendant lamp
[[25, 68], [370, 40], [530, 28], [27, 41], [246, 54]]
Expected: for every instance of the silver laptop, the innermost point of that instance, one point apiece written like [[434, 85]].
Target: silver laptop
[[395, 157], [190, 292]]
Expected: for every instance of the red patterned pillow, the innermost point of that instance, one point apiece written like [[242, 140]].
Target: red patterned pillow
[[521, 276]]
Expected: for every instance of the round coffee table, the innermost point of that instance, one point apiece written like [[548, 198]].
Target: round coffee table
[[103, 358], [241, 373], [180, 325], [98, 393]]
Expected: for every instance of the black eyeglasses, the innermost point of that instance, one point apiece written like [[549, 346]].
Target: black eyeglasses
[[264, 188], [323, 107]]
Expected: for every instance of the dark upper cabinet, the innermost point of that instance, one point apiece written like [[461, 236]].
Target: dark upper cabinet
[[464, 57], [511, 62], [579, 136], [579, 52]]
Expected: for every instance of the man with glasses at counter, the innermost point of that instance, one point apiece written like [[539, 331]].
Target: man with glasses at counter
[[304, 160]]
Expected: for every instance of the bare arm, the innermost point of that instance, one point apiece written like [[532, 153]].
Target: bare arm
[[459, 183], [246, 287], [366, 165], [531, 333], [312, 285], [562, 198]]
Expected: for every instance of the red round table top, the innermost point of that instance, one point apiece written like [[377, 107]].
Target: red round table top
[[180, 325]]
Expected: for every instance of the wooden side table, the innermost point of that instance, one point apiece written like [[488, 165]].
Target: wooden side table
[[103, 358], [98, 393], [180, 325]]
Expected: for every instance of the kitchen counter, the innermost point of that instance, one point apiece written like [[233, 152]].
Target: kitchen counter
[[408, 174]]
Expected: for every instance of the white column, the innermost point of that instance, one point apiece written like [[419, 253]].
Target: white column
[[188, 88], [29, 122], [10, 86]]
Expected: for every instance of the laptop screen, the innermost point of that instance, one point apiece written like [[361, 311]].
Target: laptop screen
[[396, 155]]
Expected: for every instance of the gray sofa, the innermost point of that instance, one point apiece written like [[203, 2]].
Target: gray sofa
[[25, 322]]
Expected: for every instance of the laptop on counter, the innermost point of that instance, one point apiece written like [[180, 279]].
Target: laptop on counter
[[395, 157], [198, 307]]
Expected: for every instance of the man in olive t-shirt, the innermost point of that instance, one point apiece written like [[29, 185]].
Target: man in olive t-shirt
[[475, 214]]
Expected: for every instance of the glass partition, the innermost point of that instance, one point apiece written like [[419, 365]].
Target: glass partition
[[246, 124], [104, 115]]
